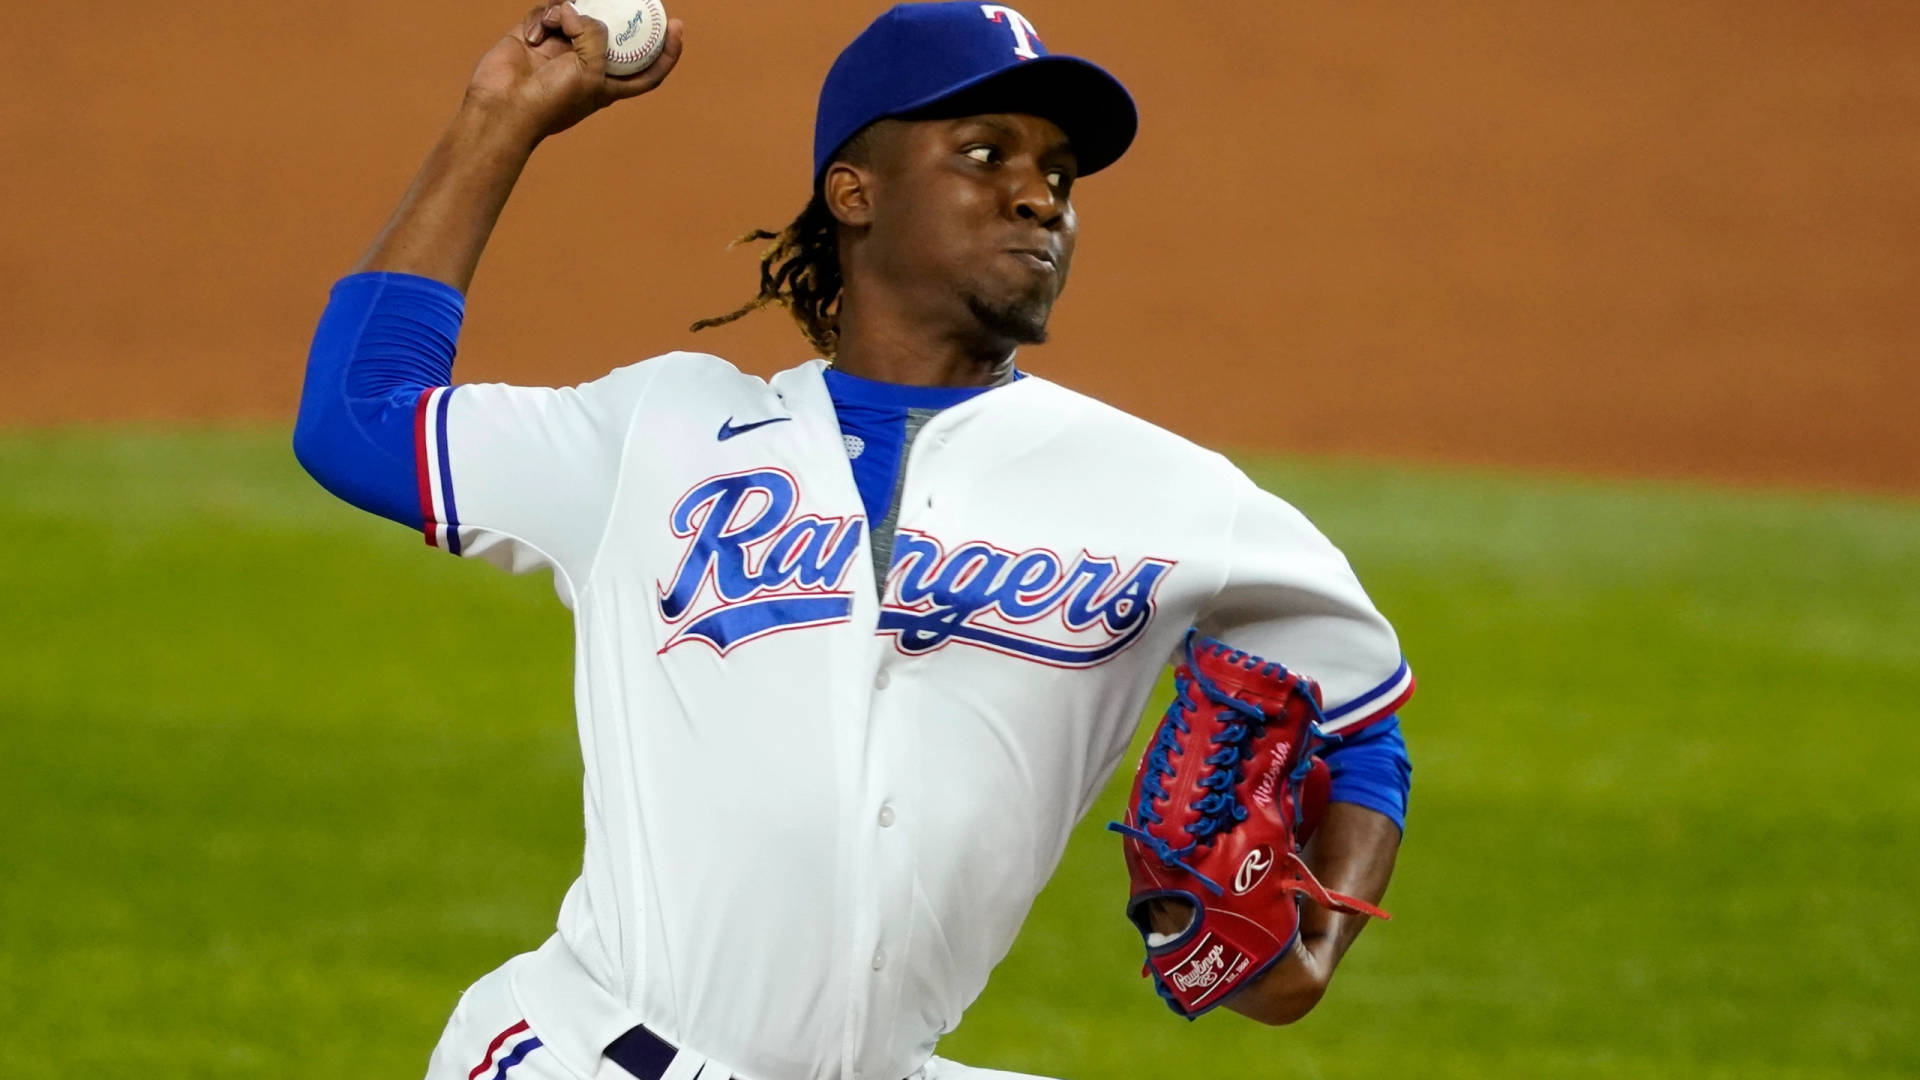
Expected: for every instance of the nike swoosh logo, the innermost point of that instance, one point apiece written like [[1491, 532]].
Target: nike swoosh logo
[[728, 430]]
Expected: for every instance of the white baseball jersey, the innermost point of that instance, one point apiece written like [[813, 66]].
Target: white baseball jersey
[[819, 805]]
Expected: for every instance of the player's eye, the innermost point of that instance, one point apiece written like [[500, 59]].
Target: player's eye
[[985, 155], [1056, 178]]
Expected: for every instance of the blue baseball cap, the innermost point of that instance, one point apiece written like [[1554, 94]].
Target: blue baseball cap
[[959, 59]]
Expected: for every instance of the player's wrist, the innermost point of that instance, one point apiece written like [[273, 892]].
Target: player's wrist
[[490, 121]]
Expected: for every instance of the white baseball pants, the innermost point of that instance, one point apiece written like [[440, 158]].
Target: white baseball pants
[[488, 1038]]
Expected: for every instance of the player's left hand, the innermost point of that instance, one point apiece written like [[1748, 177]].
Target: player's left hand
[[1226, 795]]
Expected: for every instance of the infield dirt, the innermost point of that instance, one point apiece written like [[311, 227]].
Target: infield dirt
[[1631, 237]]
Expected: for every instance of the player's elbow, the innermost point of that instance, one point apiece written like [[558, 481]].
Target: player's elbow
[[1288, 1013], [315, 445], [306, 449], [1277, 1003], [322, 407], [340, 458]]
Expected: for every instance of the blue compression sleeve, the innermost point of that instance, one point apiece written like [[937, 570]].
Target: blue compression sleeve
[[384, 340], [1370, 768]]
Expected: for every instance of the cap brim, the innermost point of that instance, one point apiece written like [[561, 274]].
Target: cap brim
[[1090, 106]]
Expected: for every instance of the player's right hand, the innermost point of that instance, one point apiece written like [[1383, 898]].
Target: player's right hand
[[550, 72]]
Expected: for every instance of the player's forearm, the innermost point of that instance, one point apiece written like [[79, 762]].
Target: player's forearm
[[1353, 853], [443, 222]]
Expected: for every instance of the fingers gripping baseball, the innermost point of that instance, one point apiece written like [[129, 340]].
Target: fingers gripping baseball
[[550, 72], [655, 73], [588, 37], [588, 40]]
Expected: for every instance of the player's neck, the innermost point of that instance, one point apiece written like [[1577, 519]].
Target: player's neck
[[895, 350]]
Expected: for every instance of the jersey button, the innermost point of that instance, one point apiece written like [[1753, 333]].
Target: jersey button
[[880, 681], [886, 816], [879, 959]]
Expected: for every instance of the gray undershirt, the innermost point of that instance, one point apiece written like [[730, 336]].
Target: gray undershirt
[[880, 538], [880, 541]]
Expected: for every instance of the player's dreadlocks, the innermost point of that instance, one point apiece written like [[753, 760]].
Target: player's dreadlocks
[[800, 270]]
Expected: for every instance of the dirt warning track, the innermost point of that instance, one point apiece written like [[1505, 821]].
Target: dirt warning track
[[1631, 237]]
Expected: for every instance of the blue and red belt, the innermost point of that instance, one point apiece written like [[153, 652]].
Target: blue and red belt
[[642, 1053]]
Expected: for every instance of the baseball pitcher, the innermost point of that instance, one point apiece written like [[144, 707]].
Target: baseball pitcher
[[858, 645]]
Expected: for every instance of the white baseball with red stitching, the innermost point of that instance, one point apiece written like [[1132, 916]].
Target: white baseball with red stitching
[[636, 32]]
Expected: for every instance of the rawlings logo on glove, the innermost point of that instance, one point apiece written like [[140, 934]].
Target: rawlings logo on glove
[[1226, 795]]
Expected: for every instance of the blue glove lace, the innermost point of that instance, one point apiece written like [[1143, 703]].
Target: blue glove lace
[[1241, 725]]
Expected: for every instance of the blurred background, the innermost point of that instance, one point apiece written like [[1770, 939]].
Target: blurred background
[[1588, 330]]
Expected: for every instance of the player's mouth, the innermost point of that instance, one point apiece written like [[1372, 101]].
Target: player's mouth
[[1038, 259]]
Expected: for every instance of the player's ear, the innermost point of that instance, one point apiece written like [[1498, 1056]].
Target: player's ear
[[848, 191]]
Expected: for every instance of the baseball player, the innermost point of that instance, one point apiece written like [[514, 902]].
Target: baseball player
[[856, 646]]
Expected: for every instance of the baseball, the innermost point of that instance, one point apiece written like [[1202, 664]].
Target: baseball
[[636, 32]]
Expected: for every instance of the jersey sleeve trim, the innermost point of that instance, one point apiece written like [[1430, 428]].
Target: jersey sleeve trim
[[1376, 703], [439, 514]]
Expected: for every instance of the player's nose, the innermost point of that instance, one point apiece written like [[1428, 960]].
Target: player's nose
[[1034, 198]]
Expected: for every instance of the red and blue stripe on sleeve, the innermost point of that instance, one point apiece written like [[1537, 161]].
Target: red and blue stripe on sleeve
[[440, 516], [1374, 705]]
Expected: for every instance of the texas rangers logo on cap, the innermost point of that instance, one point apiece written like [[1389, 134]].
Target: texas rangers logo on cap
[[959, 59]]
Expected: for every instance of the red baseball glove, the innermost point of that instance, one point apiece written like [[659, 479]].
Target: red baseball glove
[[1228, 792]]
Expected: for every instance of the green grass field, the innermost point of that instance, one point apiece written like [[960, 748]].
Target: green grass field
[[279, 782]]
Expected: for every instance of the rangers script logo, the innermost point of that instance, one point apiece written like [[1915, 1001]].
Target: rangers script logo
[[752, 567], [1032, 604]]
